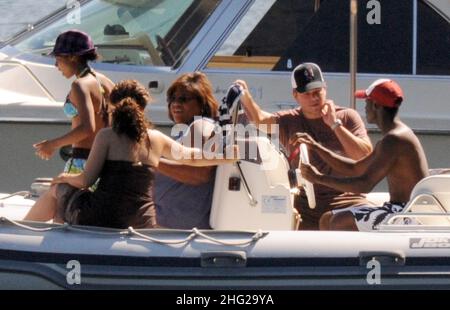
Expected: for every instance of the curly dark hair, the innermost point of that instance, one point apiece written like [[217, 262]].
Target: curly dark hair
[[198, 85], [128, 118], [130, 89]]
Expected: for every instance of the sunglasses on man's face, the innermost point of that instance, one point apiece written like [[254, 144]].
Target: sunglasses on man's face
[[180, 99]]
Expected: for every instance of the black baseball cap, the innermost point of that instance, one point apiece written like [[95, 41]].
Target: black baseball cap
[[307, 76]]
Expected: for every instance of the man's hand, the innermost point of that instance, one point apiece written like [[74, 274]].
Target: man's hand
[[329, 112], [44, 149], [303, 137], [310, 173], [246, 96]]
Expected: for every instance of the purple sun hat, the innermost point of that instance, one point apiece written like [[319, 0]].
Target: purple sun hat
[[73, 42]]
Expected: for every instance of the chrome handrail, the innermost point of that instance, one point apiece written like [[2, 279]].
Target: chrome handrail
[[390, 222], [393, 217], [32, 75]]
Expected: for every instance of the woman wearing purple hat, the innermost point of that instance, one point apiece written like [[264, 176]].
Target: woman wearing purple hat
[[86, 104]]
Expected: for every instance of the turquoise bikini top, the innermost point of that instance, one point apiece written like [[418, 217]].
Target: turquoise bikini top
[[69, 108]]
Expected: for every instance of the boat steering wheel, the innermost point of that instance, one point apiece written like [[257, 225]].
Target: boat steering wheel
[[307, 186]]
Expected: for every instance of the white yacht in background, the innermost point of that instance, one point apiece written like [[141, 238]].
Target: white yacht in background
[[256, 40], [259, 41]]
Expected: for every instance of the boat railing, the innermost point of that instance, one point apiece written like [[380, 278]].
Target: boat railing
[[9, 62], [424, 212]]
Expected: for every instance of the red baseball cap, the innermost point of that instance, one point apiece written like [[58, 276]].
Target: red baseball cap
[[384, 92]]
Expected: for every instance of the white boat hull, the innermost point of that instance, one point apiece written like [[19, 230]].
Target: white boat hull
[[280, 260]]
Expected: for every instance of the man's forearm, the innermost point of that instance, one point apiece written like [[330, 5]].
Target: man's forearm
[[256, 115], [354, 147], [186, 174], [340, 164], [347, 184]]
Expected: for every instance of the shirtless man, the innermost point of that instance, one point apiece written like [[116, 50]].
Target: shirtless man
[[399, 156]]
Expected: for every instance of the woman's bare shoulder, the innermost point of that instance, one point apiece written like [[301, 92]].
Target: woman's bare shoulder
[[156, 135], [105, 80], [105, 133]]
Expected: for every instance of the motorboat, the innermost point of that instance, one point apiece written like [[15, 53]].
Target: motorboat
[[254, 243], [53, 256]]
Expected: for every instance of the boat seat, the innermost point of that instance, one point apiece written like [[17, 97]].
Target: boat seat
[[270, 205], [378, 198], [140, 39]]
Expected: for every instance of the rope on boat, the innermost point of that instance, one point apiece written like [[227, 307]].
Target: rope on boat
[[258, 235], [196, 233], [192, 236], [29, 227], [132, 232]]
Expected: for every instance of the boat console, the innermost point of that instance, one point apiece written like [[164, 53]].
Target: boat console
[[254, 194]]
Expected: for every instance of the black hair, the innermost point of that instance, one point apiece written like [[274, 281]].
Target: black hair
[[91, 56], [391, 112]]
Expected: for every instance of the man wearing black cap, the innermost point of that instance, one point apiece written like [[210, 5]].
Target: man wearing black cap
[[399, 156], [340, 129]]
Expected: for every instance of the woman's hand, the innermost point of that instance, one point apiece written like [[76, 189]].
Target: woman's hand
[[75, 180], [62, 178], [45, 149]]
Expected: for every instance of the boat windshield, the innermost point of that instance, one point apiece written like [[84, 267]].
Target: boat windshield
[[135, 32]]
